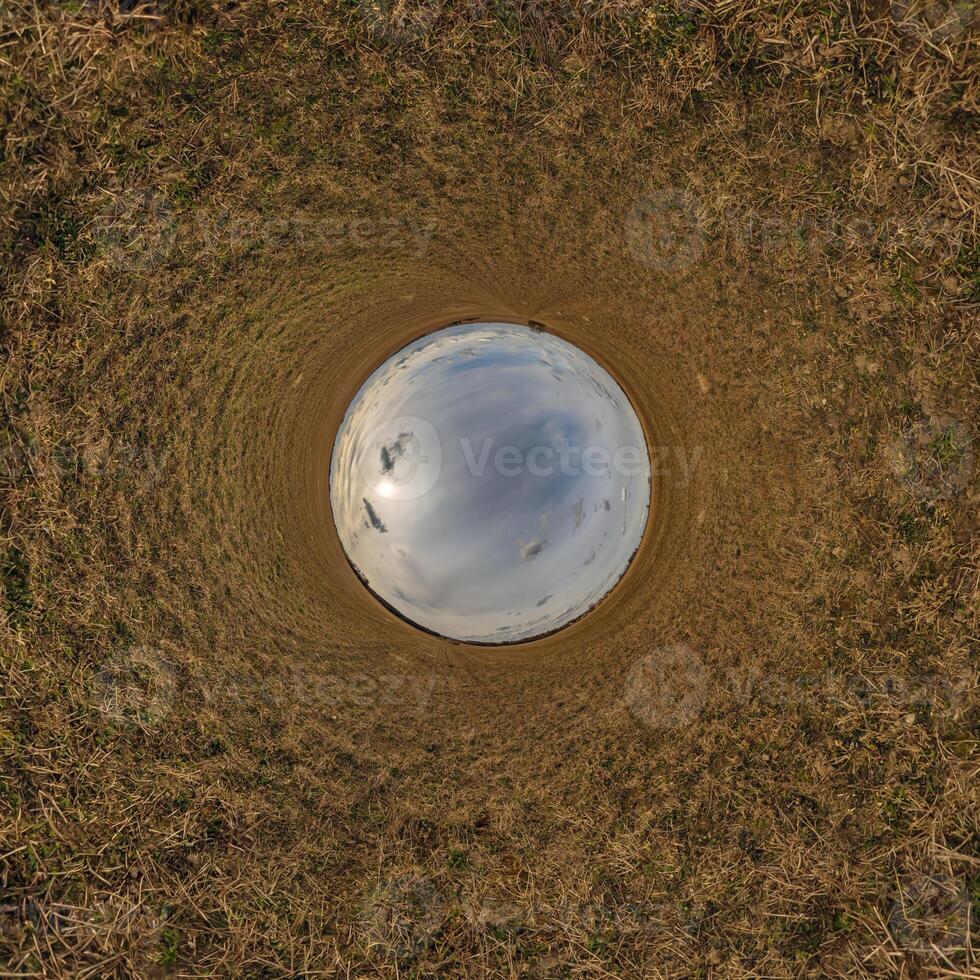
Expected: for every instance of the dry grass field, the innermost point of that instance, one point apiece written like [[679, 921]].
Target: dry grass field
[[220, 756]]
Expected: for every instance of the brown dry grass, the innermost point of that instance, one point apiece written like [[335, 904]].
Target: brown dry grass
[[220, 757]]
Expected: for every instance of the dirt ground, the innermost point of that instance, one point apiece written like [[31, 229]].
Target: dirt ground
[[220, 756]]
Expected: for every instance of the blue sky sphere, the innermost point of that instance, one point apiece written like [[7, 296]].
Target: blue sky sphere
[[490, 482]]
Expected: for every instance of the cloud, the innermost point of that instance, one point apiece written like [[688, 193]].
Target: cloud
[[532, 548], [393, 452], [372, 516]]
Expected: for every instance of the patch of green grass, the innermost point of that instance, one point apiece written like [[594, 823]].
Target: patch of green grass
[[945, 449], [904, 290], [910, 409], [15, 575], [670, 30], [169, 946], [910, 528], [58, 228], [894, 810], [968, 268], [122, 631]]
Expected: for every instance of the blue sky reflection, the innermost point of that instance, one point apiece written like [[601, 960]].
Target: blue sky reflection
[[490, 482]]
